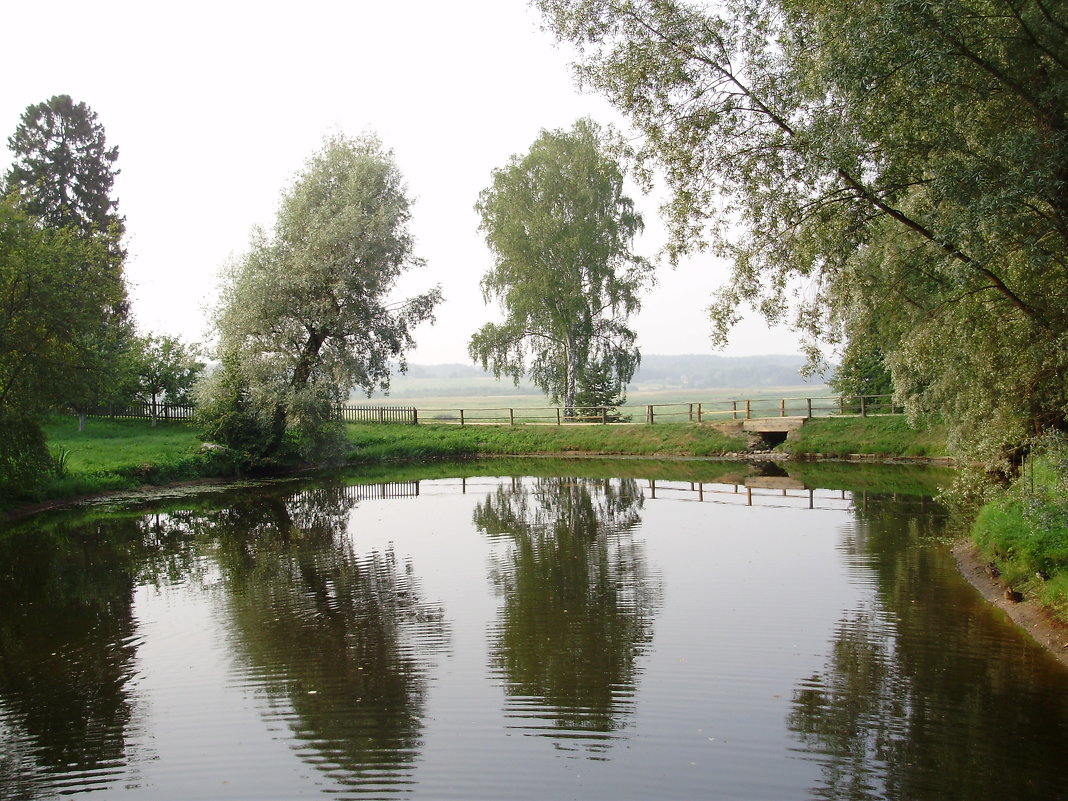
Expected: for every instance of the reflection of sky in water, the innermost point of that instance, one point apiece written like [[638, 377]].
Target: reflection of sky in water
[[759, 623]]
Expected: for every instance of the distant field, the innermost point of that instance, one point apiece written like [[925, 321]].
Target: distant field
[[669, 404]]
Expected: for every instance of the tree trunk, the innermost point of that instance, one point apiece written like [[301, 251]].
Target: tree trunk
[[570, 380], [301, 374]]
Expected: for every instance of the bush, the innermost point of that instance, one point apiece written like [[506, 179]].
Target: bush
[[25, 462], [225, 412]]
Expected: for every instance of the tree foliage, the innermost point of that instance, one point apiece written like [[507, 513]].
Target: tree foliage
[[63, 176], [64, 170], [56, 288], [307, 314], [165, 370], [862, 371], [901, 166], [561, 230]]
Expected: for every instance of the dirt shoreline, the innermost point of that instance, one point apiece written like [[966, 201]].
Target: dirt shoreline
[[1047, 631]]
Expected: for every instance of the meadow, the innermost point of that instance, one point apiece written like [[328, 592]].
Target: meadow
[[670, 404]]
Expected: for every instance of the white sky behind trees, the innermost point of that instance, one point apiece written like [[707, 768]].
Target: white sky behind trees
[[215, 106]]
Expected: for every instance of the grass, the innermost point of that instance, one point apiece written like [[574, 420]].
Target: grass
[[886, 436], [120, 445], [113, 455], [382, 442], [1024, 532]]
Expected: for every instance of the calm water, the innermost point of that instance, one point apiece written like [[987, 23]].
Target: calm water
[[502, 637]]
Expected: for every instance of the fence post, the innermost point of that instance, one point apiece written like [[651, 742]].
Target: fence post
[[698, 412], [841, 404], [649, 414], [734, 409], [381, 415], [558, 415], [511, 417], [461, 416], [748, 410], [863, 407], [604, 415], [415, 416], [691, 412], [809, 401], [782, 408]]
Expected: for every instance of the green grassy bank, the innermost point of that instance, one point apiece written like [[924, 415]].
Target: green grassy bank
[[112, 455], [373, 443], [1023, 531], [887, 436], [115, 455]]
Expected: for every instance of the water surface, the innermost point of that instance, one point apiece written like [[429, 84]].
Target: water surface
[[551, 636]]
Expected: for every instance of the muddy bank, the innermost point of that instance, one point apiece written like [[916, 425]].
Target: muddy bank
[[1048, 632]]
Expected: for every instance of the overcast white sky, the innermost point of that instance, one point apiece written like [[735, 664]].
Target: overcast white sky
[[215, 106]]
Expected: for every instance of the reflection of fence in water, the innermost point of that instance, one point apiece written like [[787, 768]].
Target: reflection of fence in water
[[770, 491], [388, 489], [784, 493], [776, 492]]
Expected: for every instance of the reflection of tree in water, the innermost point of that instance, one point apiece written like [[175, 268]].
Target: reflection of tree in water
[[578, 601], [340, 638], [893, 717], [67, 647]]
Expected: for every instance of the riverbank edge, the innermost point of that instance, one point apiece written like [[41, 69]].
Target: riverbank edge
[[1031, 617], [149, 489]]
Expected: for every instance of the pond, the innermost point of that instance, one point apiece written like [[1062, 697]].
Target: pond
[[519, 630]]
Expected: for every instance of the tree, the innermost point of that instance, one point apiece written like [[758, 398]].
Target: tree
[[64, 171], [166, 369], [600, 392], [306, 315], [561, 230], [862, 371], [55, 293], [902, 165], [63, 175]]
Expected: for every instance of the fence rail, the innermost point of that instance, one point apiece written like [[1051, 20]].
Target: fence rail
[[143, 411], [699, 412], [379, 414]]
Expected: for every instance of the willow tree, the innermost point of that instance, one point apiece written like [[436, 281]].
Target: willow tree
[[561, 230], [308, 313], [901, 166]]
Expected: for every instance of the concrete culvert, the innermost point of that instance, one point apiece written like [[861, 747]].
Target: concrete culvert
[[769, 439]]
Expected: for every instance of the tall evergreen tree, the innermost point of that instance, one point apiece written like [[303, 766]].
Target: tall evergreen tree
[[64, 172]]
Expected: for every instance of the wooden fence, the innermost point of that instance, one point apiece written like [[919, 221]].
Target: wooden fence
[[143, 411], [379, 414], [700, 412]]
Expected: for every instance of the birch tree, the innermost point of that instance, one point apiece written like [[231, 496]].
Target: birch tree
[[561, 230]]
